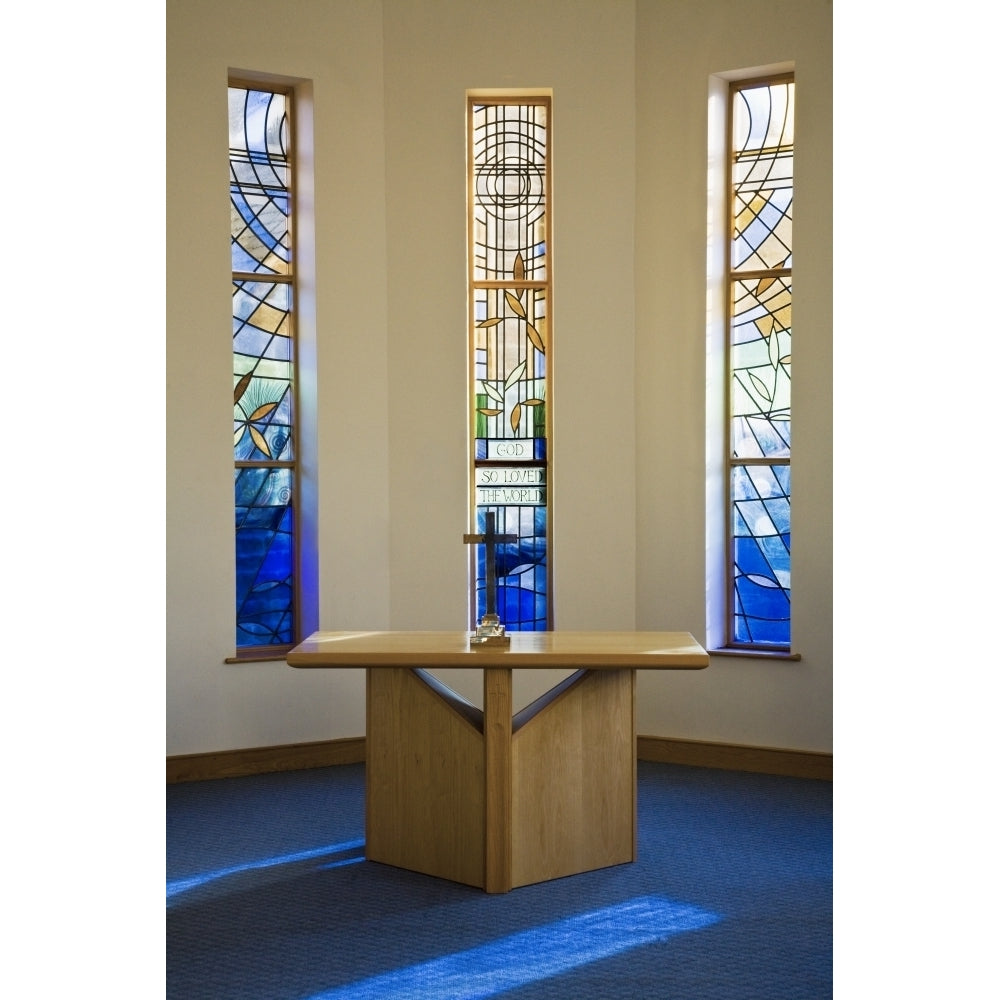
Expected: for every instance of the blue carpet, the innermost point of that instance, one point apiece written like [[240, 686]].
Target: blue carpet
[[269, 898]]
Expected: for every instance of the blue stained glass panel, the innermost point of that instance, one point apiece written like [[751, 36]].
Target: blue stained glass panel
[[264, 557], [522, 587], [761, 509]]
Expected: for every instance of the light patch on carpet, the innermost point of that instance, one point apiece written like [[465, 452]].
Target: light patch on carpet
[[180, 885], [532, 955]]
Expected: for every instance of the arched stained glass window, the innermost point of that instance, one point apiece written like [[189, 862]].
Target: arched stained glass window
[[510, 310], [263, 286], [761, 115]]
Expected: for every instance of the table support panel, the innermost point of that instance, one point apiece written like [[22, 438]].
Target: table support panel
[[425, 783], [494, 801], [497, 731], [575, 780]]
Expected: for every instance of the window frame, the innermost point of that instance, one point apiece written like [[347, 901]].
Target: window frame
[[277, 651], [512, 97], [732, 646]]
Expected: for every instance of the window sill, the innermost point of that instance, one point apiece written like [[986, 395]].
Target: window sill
[[754, 654], [269, 657]]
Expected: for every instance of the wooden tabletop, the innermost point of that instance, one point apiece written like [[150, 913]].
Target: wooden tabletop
[[592, 650]]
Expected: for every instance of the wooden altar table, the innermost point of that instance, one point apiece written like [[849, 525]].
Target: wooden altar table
[[489, 798]]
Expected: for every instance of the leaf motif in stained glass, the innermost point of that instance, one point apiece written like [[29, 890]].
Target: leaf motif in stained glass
[[259, 440], [241, 387], [263, 411], [536, 338], [519, 267], [491, 390], [773, 348], [760, 386], [514, 304], [515, 375]]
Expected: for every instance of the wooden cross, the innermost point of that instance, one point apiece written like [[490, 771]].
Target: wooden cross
[[490, 539]]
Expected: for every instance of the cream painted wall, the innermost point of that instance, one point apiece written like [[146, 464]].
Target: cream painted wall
[[629, 80], [433, 53], [212, 705], [679, 45]]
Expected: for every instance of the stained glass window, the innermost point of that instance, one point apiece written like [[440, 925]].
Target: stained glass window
[[760, 357], [510, 316], [260, 191]]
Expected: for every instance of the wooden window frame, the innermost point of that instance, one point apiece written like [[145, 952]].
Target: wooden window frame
[[277, 651]]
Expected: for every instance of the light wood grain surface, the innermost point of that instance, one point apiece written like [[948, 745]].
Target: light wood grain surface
[[486, 798], [575, 649]]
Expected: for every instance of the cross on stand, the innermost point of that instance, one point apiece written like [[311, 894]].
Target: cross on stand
[[489, 631]]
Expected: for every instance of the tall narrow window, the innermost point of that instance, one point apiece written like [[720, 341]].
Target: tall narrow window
[[759, 381], [263, 287], [510, 310]]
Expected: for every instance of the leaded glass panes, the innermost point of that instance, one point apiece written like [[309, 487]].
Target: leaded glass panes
[[510, 319], [760, 362], [760, 335], [265, 585], [263, 367], [761, 546], [259, 181], [762, 144]]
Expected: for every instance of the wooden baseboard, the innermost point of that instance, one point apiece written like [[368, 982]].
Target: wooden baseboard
[[733, 757], [659, 749], [262, 760]]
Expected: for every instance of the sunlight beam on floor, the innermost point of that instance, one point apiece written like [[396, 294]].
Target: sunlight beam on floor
[[532, 955], [180, 885]]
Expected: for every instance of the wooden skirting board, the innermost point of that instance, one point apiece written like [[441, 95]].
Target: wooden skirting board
[[263, 760], [734, 757], [663, 750]]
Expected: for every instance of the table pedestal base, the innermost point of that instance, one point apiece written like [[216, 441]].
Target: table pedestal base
[[498, 801]]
